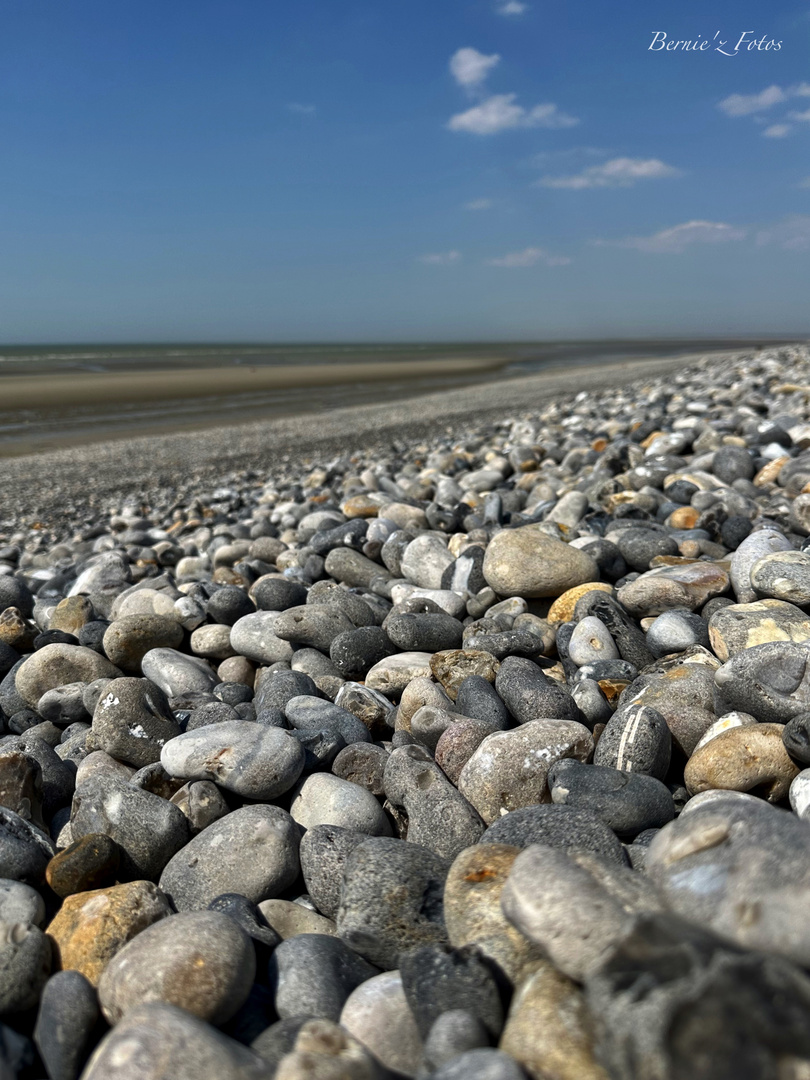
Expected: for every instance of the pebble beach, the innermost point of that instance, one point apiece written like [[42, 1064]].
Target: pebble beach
[[465, 737]]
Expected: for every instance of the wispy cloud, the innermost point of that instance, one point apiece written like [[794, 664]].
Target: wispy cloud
[[746, 104], [620, 172], [512, 7], [676, 240], [803, 117], [302, 110], [777, 131], [793, 233], [500, 113], [441, 258], [470, 68], [478, 204], [529, 256]]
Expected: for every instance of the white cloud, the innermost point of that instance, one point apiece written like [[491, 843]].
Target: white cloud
[[620, 172], [302, 110], [469, 67], [530, 256], [500, 113], [478, 204], [441, 258], [777, 131], [512, 7], [802, 90], [676, 240], [745, 104], [804, 117], [793, 233]]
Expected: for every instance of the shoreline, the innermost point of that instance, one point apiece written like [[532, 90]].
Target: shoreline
[[81, 478]]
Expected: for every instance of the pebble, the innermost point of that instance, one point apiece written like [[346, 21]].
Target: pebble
[[246, 758], [91, 927], [252, 851], [376, 1013], [253, 636], [527, 562], [362, 764], [288, 919], [153, 1035], [577, 937], [439, 978], [132, 721], [89, 863], [509, 770], [128, 639], [627, 802], [324, 799], [391, 899], [770, 681], [635, 739], [58, 665], [753, 548], [676, 631], [20, 903], [745, 758], [25, 964], [783, 575], [666, 587], [529, 694], [313, 975], [439, 816], [25, 850], [175, 673], [68, 1014], [200, 961], [558, 827], [738, 627]]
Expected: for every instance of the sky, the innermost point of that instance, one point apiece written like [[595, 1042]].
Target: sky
[[382, 170]]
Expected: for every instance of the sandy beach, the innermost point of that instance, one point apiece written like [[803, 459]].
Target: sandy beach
[[127, 469]]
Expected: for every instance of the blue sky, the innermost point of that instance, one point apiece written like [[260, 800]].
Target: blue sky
[[421, 170]]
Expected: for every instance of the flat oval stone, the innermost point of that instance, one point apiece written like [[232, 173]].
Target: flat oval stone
[[176, 673], [129, 638], [391, 675], [66, 1022], [627, 802], [200, 961], [289, 919], [249, 759], [743, 759], [56, 665], [686, 586], [737, 627], [252, 851], [253, 636], [91, 927], [20, 903], [509, 769], [528, 562], [783, 575]]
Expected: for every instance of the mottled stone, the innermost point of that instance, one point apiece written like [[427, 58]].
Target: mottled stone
[[91, 927], [737, 627], [89, 863], [686, 586], [743, 759], [57, 665], [200, 961], [528, 562], [453, 667]]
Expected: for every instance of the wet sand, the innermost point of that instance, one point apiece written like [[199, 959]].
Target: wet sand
[[97, 388], [111, 473]]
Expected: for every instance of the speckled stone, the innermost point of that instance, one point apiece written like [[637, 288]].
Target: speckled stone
[[770, 681], [627, 802], [509, 769], [528, 562], [636, 739], [591, 641], [200, 961], [783, 575], [574, 904], [753, 548], [549, 1029], [57, 665]]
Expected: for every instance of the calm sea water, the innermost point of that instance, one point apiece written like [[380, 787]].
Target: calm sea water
[[30, 430]]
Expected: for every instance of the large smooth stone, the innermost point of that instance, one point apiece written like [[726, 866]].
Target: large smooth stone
[[528, 562], [56, 665]]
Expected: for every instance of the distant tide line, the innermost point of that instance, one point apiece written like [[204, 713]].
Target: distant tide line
[[95, 388]]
